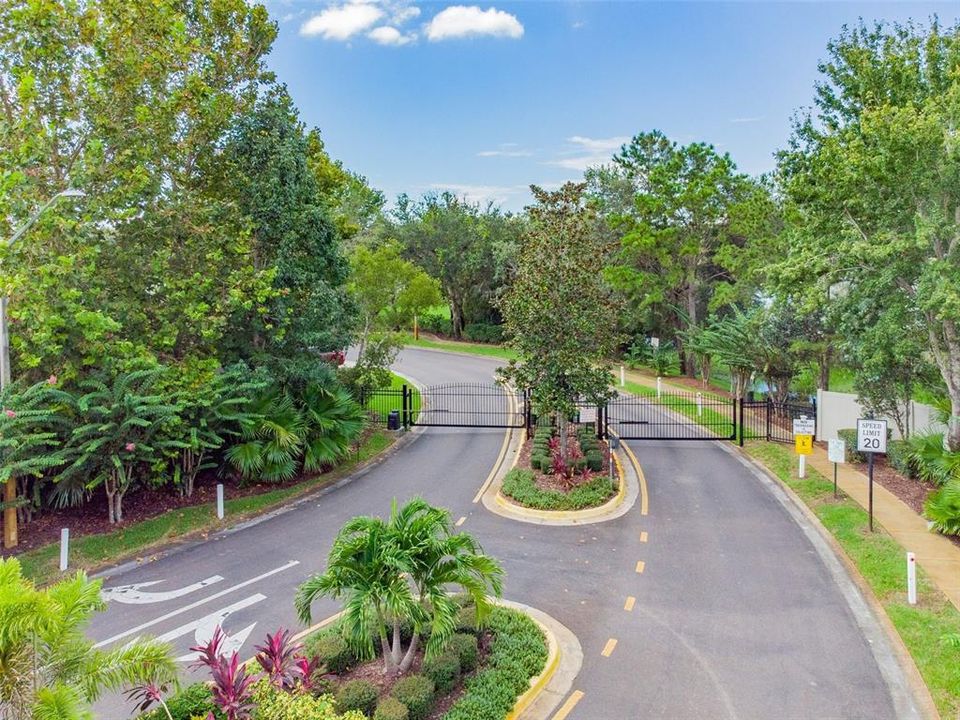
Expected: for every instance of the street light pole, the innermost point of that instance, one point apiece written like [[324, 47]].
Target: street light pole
[[10, 535]]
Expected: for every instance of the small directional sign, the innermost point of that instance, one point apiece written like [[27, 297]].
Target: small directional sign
[[804, 444], [872, 436], [837, 451]]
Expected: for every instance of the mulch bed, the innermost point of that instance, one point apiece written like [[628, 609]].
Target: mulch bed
[[552, 482], [373, 672], [138, 505]]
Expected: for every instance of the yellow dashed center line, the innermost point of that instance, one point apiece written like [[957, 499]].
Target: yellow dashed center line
[[609, 647], [640, 566], [628, 605], [461, 521], [643, 536], [571, 703]]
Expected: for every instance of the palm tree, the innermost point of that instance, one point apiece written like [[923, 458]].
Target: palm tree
[[401, 570], [48, 668]]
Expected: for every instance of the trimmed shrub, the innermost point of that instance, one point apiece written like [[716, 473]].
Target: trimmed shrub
[[541, 462], [465, 648], [849, 436], [517, 653], [391, 709], [416, 692], [331, 649], [357, 695], [898, 457], [193, 701], [443, 669], [435, 323], [520, 486], [466, 620], [483, 332], [595, 460], [275, 704]]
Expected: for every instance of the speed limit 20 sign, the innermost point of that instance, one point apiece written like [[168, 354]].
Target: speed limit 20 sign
[[872, 436]]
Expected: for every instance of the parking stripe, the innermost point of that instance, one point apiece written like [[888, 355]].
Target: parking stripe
[[628, 605]]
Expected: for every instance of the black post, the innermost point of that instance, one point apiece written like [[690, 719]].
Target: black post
[[406, 406], [870, 474], [834, 481], [742, 425], [769, 405]]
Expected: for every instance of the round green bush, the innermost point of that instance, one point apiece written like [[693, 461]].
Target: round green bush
[[595, 461], [192, 701], [357, 695], [465, 648], [443, 669], [331, 650], [539, 462], [416, 692], [391, 709], [466, 620]]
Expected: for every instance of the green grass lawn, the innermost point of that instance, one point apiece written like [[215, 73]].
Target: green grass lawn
[[881, 561], [136, 540], [483, 349], [383, 403], [712, 419]]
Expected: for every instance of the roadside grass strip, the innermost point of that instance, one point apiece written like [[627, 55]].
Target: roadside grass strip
[[881, 561], [482, 349], [89, 552], [382, 406], [683, 405]]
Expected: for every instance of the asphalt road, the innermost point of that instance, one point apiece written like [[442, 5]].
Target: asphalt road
[[735, 614]]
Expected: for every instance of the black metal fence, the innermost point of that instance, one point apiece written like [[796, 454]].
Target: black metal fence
[[772, 421], [379, 404]]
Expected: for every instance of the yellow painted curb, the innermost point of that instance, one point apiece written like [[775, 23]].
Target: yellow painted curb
[[585, 514], [538, 683], [644, 495], [508, 435]]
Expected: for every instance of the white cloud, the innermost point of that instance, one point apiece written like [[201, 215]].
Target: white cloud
[[386, 35], [578, 24], [340, 22], [587, 152], [402, 14], [482, 194], [458, 21], [506, 150], [757, 118]]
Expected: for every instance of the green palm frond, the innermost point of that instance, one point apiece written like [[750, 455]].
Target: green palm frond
[[60, 702]]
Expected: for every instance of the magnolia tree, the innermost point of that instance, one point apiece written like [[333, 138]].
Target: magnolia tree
[[560, 314]]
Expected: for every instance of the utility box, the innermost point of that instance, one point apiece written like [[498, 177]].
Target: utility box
[[393, 420]]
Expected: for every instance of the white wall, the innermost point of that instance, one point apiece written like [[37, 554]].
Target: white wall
[[836, 411]]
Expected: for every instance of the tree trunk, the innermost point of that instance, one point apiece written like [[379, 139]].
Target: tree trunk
[[692, 318], [110, 489], [389, 665], [823, 382], [363, 338], [456, 318], [411, 653], [118, 506], [562, 424], [945, 346], [396, 647]]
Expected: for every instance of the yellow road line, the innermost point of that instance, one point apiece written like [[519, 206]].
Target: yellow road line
[[640, 566], [628, 605], [609, 647], [568, 706], [644, 496], [643, 536], [461, 521], [503, 452]]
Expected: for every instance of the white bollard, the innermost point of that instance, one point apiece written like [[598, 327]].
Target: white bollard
[[64, 548], [659, 386], [699, 404], [911, 578], [623, 377], [220, 501], [803, 467]]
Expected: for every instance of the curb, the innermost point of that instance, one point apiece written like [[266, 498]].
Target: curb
[[922, 704]]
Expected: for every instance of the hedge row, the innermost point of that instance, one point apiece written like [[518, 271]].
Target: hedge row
[[519, 485]]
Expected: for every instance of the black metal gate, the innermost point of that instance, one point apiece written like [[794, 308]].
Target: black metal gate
[[672, 416], [772, 421], [478, 405]]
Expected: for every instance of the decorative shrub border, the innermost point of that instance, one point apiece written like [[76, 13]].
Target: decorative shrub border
[[519, 486]]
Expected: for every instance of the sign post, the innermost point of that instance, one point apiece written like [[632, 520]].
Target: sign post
[[837, 453], [871, 439], [804, 429]]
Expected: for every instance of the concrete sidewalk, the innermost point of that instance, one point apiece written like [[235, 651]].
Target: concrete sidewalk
[[939, 557]]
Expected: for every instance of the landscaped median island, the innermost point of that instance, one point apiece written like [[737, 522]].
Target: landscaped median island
[[547, 479], [930, 630], [402, 649]]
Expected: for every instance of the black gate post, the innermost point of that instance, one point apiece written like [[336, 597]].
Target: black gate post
[[742, 422], [769, 407], [405, 414], [600, 409]]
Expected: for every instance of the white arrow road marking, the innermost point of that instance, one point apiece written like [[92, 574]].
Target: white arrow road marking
[[204, 627], [133, 595], [191, 606]]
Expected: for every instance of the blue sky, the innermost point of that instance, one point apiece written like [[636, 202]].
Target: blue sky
[[486, 99]]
